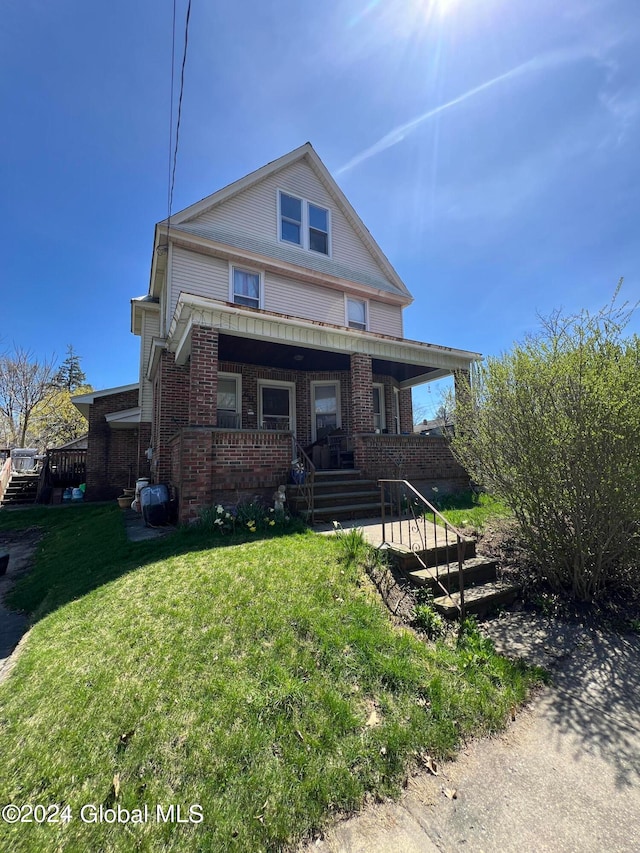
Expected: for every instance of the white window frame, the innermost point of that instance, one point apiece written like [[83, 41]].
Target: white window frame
[[364, 302], [313, 385], [383, 414], [396, 411], [252, 271], [304, 225], [274, 383], [238, 380]]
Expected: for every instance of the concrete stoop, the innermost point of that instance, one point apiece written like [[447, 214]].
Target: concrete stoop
[[438, 567]]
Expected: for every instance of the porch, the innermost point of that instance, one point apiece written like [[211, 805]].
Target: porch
[[252, 390]]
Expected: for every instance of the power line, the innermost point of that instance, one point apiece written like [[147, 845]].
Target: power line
[[184, 62], [173, 55]]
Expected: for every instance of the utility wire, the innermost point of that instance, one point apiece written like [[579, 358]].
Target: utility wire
[[173, 56], [175, 150]]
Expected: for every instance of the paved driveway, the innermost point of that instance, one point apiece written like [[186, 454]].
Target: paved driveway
[[565, 776]]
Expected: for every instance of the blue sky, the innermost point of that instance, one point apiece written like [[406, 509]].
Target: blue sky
[[492, 148]]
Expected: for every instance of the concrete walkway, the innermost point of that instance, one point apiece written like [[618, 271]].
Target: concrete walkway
[[21, 547], [565, 776], [405, 534]]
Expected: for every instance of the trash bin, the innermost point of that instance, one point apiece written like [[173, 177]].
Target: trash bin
[[154, 501]]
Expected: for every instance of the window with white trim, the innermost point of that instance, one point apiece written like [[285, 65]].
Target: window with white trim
[[246, 286], [303, 223], [229, 400], [318, 229], [379, 420], [356, 313]]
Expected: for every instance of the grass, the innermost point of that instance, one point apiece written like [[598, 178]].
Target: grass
[[468, 509], [240, 677]]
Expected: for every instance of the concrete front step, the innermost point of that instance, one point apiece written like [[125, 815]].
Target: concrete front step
[[412, 560], [327, 499], [341, 486], [478, 600], [344, 512], [475, 570]]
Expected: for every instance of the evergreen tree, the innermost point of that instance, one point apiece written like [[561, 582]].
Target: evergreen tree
[[70, 375]]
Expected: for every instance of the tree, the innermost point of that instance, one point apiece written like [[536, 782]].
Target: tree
[[70, 375], [25, 382], [553, 428], [56, 420]]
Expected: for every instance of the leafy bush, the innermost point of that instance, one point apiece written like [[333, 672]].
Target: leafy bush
[[427, 620], [553, 429]]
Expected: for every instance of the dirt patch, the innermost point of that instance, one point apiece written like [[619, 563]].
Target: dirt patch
[[21, 545]]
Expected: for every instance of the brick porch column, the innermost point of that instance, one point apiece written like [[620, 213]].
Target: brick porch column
[[361, 393], [171, 410], [203, 381], [406, 411]]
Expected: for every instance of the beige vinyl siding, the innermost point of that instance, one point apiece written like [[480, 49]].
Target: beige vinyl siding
[[254, 212], [303, 300], [150, 330], [200, 275], [385, 319]]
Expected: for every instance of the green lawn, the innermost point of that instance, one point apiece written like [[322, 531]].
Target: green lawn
[[241, 678], [471, 510]]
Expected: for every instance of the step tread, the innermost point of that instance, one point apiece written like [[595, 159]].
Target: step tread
[[328, 510], [476, 597], [467, 566], [325, 496]]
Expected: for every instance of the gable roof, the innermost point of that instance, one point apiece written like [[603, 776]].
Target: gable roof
[[304, 152]]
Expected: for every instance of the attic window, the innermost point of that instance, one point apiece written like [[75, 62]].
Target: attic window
[[290, 219], [304, 224]]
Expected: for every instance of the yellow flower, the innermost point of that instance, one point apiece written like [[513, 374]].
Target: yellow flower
[[271, 523]]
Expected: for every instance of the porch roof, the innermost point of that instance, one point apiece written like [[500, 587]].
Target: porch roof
[[278, 340]]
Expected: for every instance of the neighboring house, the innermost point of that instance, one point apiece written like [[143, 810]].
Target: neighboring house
[[436, 426], [273, 322]]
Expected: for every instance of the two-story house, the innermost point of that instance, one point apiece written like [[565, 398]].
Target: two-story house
[[272, 329]]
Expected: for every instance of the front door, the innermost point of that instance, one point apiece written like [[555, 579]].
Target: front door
[[325, 407], [276, 406]]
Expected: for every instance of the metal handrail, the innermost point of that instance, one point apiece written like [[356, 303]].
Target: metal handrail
[[406, 497], [399, 465], [306, 488]]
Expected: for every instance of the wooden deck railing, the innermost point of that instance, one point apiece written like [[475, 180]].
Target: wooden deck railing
[[5, 476]]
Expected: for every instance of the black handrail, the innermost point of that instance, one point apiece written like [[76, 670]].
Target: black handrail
[[403, 500], [306, 482]]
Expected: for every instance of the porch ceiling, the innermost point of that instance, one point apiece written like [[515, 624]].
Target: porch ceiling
[[286, 357]]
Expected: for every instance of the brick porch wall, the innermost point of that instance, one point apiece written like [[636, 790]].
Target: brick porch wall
[[423, 459], [223, 466]]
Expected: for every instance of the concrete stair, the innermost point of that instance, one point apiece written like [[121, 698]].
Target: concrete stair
[[482, 590], [339, 495], [22, 489]]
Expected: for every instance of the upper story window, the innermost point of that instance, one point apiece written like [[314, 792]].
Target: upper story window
[[246, 287], [303, 223], [318, 229], [356, 313], [290, 219]]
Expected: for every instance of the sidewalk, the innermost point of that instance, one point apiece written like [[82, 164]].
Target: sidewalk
[[565, 776]]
